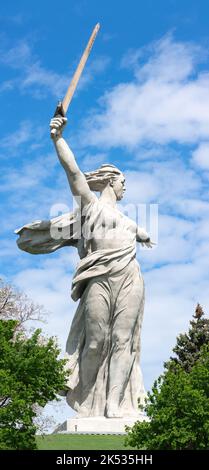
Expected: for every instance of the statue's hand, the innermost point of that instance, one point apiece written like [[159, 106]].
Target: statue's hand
[[148, 243], [57, 125]]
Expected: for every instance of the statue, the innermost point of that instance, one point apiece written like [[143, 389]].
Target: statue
[[103, 346]]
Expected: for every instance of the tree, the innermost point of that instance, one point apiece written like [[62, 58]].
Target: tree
[[178, 405], [188, 345], [30, 373], [15, 305]]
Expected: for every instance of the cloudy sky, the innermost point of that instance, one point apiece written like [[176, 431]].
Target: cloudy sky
[[142, 104]]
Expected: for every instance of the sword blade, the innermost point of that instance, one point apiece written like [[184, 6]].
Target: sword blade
[[71, 89]]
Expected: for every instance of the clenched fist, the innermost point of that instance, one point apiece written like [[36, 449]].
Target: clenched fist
[[57, 125]]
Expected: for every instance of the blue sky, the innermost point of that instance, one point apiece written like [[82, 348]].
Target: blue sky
[[142, 104]]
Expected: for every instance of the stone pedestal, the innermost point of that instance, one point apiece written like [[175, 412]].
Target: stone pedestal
[[98, 425]]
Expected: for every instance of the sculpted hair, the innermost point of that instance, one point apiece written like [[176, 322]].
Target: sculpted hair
[[97, 179]]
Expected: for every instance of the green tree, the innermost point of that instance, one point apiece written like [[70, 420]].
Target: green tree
[[31, 374], [188, 345], [178, 405]]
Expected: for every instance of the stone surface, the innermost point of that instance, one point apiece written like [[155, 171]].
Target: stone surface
[[98, 425]]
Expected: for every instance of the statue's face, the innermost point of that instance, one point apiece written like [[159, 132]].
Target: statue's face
[[118, 186]]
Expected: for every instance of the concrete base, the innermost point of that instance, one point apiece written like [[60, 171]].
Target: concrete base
[[98, 425]]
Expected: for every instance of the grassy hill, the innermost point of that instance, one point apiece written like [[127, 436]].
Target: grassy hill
[[81, 442]]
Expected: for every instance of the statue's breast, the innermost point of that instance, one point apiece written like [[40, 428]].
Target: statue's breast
[[107, 218]]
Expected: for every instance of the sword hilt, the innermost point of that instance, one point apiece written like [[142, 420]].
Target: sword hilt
[[59, 112]]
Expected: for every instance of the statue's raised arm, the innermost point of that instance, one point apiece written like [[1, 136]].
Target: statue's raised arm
[[76, 178]]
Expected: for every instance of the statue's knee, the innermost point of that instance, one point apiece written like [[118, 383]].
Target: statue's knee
[[95, 346]]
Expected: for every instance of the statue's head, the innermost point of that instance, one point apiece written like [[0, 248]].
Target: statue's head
[[106, 175]]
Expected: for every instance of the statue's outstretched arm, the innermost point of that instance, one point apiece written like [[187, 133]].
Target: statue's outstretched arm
[[76, 178]]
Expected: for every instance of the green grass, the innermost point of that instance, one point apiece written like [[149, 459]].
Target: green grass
[[81, 442]]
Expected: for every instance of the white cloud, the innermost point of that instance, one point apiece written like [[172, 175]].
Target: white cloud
[[40, 80], [193, 208], [22, 135], [22, 141], [30, 190], [168, 183], [32, 75], [164, 60], [17, 56], [7, 85], [96, 66], [7, 249], [174, 242], [201, 156], [28, 175], [91, 161], [166, 101], [166, 316]]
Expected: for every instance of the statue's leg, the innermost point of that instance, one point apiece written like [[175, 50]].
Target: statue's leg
[[97, 313], [127, 319]]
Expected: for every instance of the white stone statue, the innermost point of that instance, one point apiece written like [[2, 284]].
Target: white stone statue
[[103, 346]]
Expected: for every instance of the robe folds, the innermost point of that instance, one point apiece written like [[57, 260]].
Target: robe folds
[[106, 327]]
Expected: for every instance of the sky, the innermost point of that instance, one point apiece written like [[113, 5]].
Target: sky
[[141, 104]]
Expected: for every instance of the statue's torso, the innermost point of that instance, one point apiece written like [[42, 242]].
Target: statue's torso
[[105, 227]]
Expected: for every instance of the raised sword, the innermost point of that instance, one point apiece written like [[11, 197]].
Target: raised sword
[[63, 105]]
